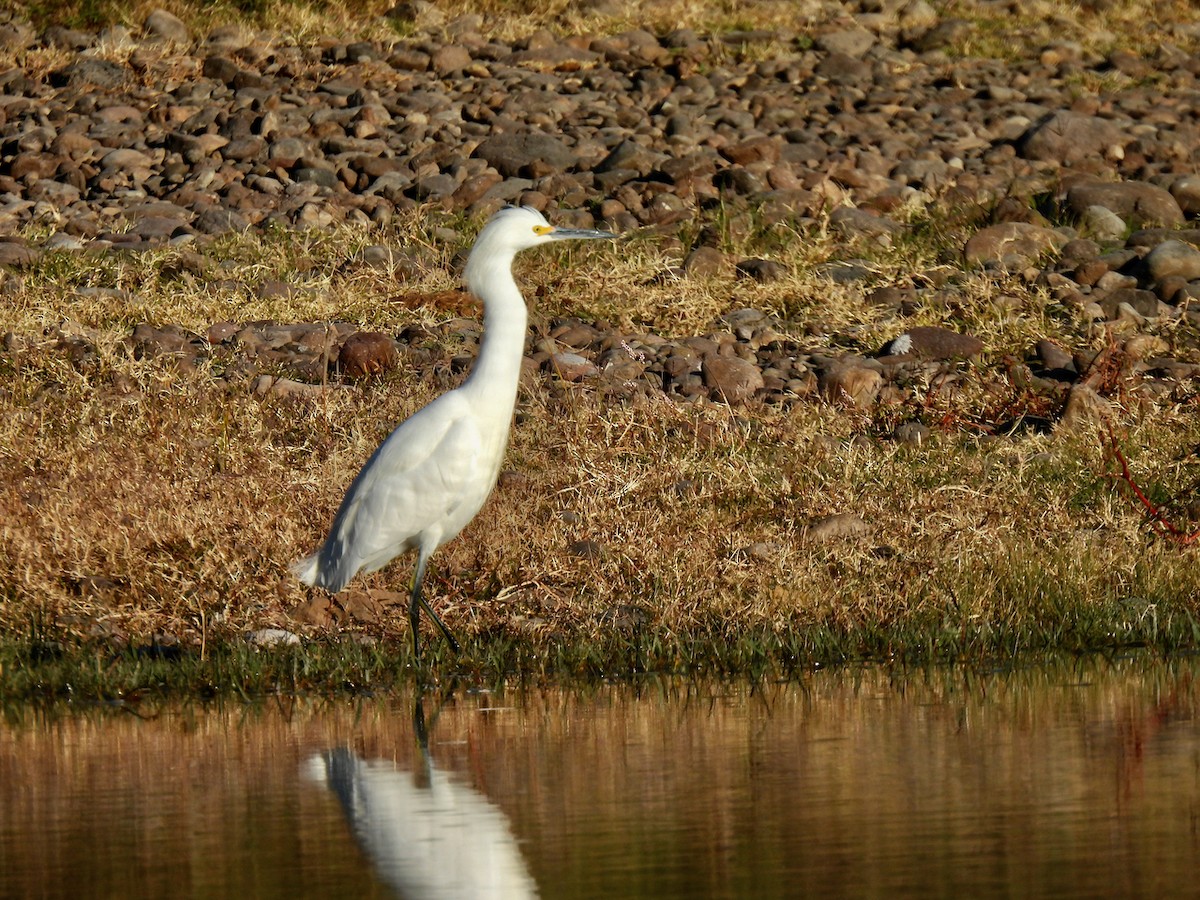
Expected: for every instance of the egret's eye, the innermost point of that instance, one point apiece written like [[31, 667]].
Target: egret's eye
[[542, 229]]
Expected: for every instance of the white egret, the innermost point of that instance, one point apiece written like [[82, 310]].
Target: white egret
[[430, 477]]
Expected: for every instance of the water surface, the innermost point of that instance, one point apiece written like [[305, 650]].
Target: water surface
[[1079, 779]]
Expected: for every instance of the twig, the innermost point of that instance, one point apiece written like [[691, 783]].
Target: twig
[[1158, 519]]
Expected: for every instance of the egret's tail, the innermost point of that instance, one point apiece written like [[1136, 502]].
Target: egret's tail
[[308, 569]]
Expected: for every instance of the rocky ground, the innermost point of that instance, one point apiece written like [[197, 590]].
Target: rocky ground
[[1072, 170]]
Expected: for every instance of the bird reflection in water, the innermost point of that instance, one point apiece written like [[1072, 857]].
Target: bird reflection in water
[[427, 834]]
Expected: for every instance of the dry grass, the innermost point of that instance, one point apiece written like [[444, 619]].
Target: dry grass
[[999, 30], [137, 499]]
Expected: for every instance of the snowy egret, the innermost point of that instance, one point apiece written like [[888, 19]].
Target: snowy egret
[[430, 477]]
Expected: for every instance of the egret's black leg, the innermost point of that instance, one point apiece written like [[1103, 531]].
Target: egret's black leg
[[417, 602], [414, 618], [440, 624]]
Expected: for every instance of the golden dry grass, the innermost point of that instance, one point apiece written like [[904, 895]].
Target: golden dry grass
[[1000, 30], [138, 499]]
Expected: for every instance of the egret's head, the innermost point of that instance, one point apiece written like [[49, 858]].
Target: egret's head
[[516, 228]]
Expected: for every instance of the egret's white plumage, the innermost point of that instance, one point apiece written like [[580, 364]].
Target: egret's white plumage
[[430, 477]]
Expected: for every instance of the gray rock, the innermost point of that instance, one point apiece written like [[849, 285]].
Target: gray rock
[[705, 262], [450, 58], [1143, 304], [17, 255], [1053, 357], [571, 366], [1085, 408], [843, 69], [157, 340], [947, 33], [16, 35], [162, 25], [272, 386], [218, 220], [633, 157], [1103, 224], [912, 434], [1068, 137], [517, 154], [851, 222], [1134, 201], [853, 42], [89, 70], [1173, 259], [731, 378], [1186, 191]]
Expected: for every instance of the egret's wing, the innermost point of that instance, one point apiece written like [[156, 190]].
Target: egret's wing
[[414, 481]]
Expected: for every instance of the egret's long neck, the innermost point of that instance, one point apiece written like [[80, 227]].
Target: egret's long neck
[[498, 367]]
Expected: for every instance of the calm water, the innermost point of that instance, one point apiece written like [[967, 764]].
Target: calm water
[[1079, 780]]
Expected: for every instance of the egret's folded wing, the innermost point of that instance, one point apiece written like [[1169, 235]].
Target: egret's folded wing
[[416, 478]]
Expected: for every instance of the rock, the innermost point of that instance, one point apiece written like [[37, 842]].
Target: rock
[[585, 550], [150, 341], [763, 271], [704, 262], [851, 222], [273, 637], [218, 220], [753, 150], [516, 154], [731, 378], [1173, 259], [162, 25], [630, 156], [16, 36], [88, 70], [852, 384], [933, 342], [1134, 201], [421, 13], [844, 69], [912, 434], [272, 386], [450, 58], [17, 255], [1067, 137], [947, 33], [1143, 304], [1055, 360], [837, 526], [1186, 191], [366, 354], [1011, 245], [570, 366], [853, 42], [1084, 408], [317, 610], [1103, 224]]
